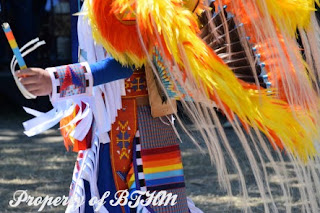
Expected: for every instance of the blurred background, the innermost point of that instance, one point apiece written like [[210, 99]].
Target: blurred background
[[50, 20]]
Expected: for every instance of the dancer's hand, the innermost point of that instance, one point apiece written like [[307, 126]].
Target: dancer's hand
[[36, 80]]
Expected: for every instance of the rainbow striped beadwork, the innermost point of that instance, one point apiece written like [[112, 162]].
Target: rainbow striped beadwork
[[14, 46]]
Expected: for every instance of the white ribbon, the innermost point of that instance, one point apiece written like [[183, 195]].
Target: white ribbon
[[88, 171], [102, 115], [14, 63], [43, 122], [83, 126]]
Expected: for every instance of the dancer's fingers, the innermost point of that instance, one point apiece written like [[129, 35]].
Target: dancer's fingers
[[32, 87], [25, 72], [29, 80]]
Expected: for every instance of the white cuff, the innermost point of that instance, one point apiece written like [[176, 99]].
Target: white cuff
[[70, 81]]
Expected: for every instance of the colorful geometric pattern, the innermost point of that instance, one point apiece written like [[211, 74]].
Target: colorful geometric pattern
[[127, 16], [72, 80], [123, 139], [122, 133], [163, 168], [14, 46], [156, 161], [167, 79], [136, 85], [164, 73], [136, 178], [131, 179], [153, 132], [138, 167], [161, 161]]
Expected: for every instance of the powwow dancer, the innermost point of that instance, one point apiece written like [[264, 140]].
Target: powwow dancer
[[164, 35], [112, 154]]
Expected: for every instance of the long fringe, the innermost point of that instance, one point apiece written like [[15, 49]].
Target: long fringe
[[198, 62], [286, 115]]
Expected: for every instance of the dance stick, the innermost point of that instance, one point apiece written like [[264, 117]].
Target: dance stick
[[14, 46]]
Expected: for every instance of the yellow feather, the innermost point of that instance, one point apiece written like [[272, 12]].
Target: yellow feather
[[256, 108], [289, 14]]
